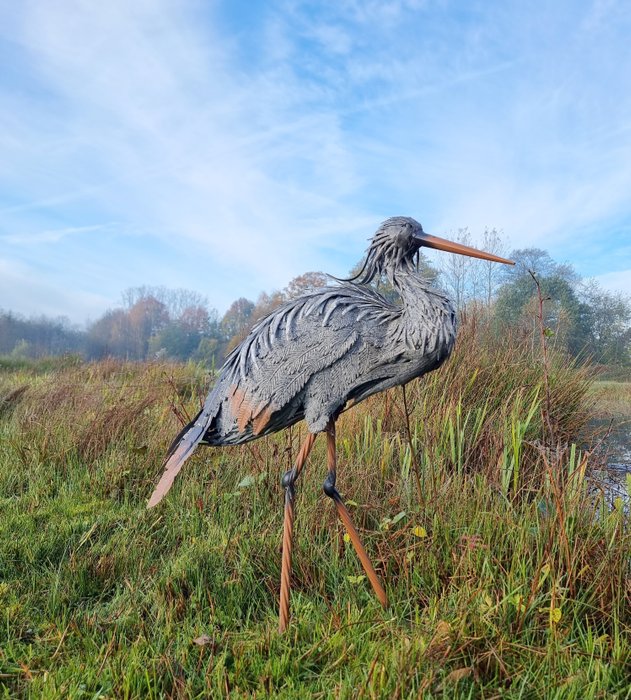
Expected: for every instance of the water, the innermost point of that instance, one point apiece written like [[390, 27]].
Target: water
[[616, 456]]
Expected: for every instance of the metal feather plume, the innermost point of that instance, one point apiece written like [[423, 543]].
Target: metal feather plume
[[388, 254]]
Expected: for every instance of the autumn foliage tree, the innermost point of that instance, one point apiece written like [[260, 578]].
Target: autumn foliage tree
[[303, 284], [156, 322]]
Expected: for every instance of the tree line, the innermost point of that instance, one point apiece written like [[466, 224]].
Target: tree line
[[156, 322]]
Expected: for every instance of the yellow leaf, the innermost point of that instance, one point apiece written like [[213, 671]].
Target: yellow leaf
[[486, 602], [347, 537], [457, 674], [420, 531]]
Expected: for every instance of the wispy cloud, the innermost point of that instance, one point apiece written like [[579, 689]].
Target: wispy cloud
[[235, 151], [52, 236]]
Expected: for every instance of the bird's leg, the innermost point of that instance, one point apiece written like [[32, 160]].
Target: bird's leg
[[345, 517], [288, 481]]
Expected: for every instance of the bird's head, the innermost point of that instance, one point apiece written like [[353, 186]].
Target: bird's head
[[395, 246]]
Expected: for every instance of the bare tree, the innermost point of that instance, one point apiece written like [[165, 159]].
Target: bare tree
[[456, 270], [176, 301], [490, 274]]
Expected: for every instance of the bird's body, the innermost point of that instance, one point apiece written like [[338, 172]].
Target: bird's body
[[313, 355]]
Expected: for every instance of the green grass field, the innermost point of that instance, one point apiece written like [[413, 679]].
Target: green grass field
[[506, 578]]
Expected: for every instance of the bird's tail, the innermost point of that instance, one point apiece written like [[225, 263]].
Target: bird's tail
[[181, 449]]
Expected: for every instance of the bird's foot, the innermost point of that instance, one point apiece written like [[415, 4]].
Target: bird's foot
[[288, 480], [329, 486]]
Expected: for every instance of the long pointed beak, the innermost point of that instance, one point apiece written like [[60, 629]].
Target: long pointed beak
[[450, 247]]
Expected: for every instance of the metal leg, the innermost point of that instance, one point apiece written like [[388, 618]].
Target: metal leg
[[288, 481], [345, 517]]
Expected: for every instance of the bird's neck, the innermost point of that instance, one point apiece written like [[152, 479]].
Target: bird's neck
[[415, 290], [425, 310]]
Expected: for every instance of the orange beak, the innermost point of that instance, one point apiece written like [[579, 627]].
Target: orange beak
[[449, 247]]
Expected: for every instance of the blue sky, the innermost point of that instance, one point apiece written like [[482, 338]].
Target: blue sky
[[226, 147]]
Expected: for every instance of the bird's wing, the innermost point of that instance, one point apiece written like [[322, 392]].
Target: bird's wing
[[293, 344], [271, 366]]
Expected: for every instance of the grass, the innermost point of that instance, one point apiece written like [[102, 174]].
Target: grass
[[612, 398], [506, 579]]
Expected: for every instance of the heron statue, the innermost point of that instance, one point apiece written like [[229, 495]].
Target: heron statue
[[313, 355]]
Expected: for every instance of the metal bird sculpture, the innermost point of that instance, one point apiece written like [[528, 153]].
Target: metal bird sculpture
[[313, 355]]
